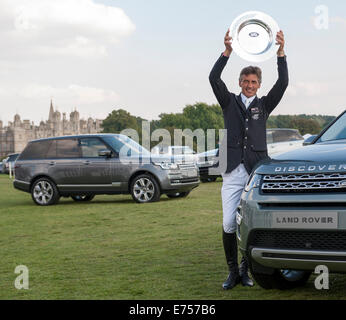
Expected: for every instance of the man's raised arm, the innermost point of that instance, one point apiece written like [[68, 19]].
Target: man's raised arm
[[220, 90], [276, 93]]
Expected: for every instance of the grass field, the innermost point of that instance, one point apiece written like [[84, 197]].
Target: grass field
[[113, 248]]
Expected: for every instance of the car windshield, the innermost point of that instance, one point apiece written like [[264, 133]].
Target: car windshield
[[125, 145], [337, 131], [13, 157]]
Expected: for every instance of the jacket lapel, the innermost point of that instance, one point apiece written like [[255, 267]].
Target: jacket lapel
[[241, 104]]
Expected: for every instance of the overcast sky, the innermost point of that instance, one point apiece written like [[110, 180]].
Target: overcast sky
[[154, 56]]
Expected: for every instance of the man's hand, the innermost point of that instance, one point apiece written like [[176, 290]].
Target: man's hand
[[280, 40], [228, 44]]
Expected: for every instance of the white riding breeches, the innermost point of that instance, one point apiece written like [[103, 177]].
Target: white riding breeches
[[232, 188]]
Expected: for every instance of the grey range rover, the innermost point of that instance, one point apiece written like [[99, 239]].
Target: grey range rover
[[292, 216], [87, 165]]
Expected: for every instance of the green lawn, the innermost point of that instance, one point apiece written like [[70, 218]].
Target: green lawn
[[113, 248]]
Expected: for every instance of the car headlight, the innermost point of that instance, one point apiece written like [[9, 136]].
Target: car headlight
[[254, 182], [212, 160], [167, 165]]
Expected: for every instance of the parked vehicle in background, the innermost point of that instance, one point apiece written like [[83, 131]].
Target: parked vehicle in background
[[179, 150], [278, 141], [206, 161], [174, 151], [283, 140], [9, 162], [292, 214], [86, 165], [1, 166]]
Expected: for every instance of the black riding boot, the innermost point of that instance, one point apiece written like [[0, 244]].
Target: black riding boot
[[243, 273], [231, 251]]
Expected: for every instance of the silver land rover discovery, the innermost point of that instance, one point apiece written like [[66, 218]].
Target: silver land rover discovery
[[292, 216], [86, 165]]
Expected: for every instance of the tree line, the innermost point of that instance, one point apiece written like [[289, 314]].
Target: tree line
[[204, 116], [312, 124]]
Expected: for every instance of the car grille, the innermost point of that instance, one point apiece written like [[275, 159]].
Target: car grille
[[298, 240], [187, 166], [303, 183]]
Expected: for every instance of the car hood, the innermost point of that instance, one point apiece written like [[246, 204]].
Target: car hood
[[318, 158], [316, 152]]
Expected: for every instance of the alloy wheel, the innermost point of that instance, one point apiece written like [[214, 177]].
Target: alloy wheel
[[43, 192], [144, 190]]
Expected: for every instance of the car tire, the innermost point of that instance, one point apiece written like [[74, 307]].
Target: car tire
[[178, 195], [83, 197], [144, 189], [281, 279], [44, 192]]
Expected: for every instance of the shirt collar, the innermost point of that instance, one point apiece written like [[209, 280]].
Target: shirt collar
[[244, 98]]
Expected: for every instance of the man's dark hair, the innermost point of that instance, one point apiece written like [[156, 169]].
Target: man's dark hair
[[251, 70]]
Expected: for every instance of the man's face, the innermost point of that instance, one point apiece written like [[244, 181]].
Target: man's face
[[249, 85]]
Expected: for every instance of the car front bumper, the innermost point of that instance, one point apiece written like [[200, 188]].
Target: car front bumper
[[179, 180], [291, 247], [299, 259]]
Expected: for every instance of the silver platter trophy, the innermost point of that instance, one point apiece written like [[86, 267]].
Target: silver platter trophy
[[254, 36]]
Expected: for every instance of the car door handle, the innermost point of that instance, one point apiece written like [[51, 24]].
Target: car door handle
[[52, 163], [86, 162]]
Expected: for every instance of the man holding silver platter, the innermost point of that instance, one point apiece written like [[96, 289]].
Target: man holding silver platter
[[245, 117]]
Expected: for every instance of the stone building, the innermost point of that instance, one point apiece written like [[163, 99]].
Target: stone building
[[15, 136]]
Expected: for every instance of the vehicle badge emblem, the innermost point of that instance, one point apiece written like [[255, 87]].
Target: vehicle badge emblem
[[253, 34]]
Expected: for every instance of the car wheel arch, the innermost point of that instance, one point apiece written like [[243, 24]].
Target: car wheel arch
[[40, 176], [140, 172]]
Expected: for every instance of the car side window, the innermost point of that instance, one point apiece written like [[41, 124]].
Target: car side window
[[51, 150], [67, 148], [91, 147], [35, 150]]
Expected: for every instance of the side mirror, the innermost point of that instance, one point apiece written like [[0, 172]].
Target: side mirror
[[309, 140], [105, 153]]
